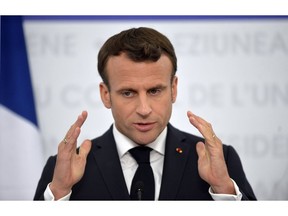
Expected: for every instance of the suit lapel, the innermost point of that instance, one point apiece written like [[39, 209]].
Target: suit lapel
[[176, 154], [110, 168]]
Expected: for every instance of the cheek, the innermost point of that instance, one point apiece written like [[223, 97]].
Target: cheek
[[121, 111], [163, 107]]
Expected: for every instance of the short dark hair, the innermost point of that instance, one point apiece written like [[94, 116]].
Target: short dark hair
[[139, 44]]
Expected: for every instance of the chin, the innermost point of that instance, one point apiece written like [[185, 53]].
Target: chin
[[144, 141]]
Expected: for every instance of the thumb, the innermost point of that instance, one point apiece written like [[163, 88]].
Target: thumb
[[201, 151], [85, 148]]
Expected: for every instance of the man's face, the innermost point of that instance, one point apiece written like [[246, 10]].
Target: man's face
[[140, 96]]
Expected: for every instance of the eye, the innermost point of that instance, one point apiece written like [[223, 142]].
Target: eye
[[127, 93], [155, 91]]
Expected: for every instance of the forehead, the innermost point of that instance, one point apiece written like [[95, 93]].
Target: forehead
[[122, 70]]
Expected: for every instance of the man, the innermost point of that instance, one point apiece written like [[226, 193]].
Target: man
[[138, 68]]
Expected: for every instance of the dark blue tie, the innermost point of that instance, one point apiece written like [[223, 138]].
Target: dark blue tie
[[143, 186]]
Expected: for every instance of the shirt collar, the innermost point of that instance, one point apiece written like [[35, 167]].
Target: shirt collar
[[124, 144]]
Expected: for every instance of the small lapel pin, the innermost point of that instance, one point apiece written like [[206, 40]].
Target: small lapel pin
[[179, 150]]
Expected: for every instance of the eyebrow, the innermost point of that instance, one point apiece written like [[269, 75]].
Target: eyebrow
[[158, 86]]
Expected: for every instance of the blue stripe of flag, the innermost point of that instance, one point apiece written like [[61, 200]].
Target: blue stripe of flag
[[15, 82]]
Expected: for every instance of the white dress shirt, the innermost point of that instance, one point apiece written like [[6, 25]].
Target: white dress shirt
[[129, 165]]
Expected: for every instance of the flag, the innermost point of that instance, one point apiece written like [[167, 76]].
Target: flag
[[21, 156]]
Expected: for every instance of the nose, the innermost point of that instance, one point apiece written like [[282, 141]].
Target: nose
[[143, 107]]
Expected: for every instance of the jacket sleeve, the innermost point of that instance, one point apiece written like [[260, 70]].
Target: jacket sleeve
[[237, 173], [46, 178]]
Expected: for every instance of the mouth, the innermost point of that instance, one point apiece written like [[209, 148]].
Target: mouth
[[144, 127]]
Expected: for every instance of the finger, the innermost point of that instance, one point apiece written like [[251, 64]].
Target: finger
[[193, 120], [204, 127], [71, 144], [85, 148], [201, 151], [78, 123]]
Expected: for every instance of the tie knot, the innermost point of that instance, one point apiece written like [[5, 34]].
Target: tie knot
[[141, 154]]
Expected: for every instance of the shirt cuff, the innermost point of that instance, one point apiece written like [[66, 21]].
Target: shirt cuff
[[48, 195], [226, 197]]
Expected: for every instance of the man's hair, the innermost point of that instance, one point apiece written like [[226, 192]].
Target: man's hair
[[139, 44]]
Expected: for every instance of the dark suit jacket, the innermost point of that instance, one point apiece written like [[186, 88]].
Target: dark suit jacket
[[104, 180]]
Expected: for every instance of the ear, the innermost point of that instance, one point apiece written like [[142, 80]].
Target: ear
[[174, 88], [105, 95]]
